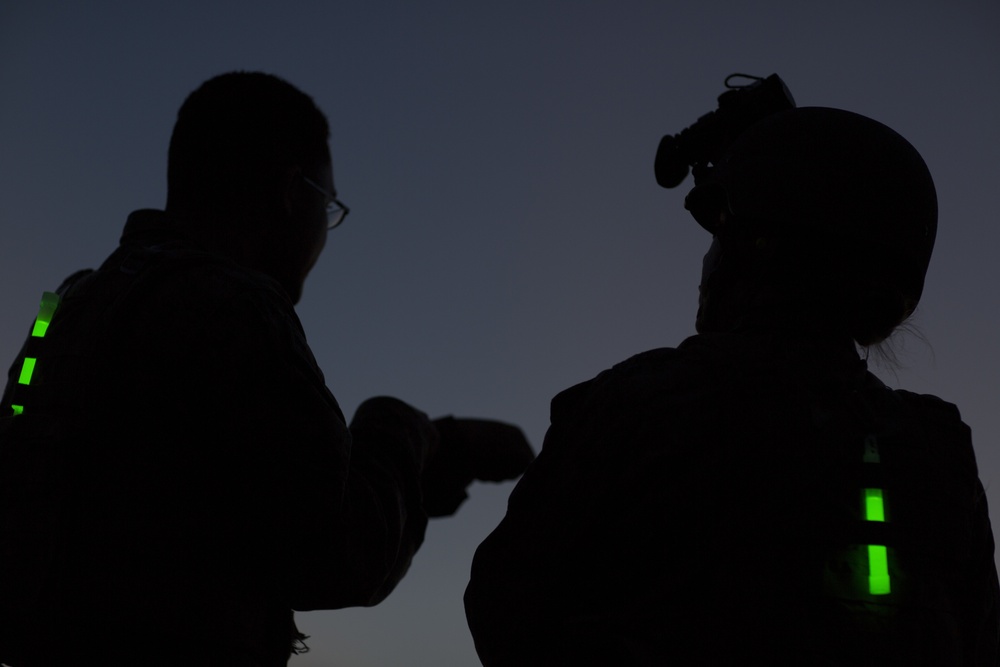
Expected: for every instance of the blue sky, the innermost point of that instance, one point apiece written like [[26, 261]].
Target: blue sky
[[507, 238]]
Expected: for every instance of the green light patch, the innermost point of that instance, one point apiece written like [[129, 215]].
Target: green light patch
[[878, 570], [50, 300], [27, 370], [18, 409], [878, 561], [874, 505]]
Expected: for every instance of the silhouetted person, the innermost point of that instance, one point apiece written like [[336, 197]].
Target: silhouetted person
[[755, 496], [175, 477]]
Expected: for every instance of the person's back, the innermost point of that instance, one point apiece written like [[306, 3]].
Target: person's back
[[704, 505], [755, 496], [164, 537]]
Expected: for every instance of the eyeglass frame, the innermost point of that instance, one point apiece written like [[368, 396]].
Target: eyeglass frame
[[333, 205]]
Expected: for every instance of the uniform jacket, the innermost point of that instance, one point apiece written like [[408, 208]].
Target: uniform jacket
[[180, 478], [705, 505]]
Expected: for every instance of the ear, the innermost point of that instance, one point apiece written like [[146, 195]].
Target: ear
[[291, 190]]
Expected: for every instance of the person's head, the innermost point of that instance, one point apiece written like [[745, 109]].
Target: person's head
[[248, 157], [823, 221]]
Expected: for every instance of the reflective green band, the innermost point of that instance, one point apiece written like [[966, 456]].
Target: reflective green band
[[50, 300], [878, 561], [874, 506], [26, 370], [878, 570]]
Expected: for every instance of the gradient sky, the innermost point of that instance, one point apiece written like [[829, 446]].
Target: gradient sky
[[507, 238]]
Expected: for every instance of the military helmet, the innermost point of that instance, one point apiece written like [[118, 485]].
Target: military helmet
[[828, 174]]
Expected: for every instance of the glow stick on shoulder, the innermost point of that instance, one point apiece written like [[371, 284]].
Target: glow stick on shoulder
[[50, 300]]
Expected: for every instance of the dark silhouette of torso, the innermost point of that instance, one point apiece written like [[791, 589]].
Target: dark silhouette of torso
[[180, 478], [704, 505]]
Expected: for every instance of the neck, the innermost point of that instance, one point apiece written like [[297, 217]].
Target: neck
[[236, 237]]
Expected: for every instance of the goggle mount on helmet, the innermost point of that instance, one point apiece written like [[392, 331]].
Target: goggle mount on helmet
[[705, 142], [827, 182]]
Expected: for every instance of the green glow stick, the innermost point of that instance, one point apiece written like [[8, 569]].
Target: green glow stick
[[48, 307], [50, 301], [878, 570], [878, 562], [26, 370], [874, 506]]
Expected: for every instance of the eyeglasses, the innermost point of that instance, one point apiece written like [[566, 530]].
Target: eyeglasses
[[336, 211]]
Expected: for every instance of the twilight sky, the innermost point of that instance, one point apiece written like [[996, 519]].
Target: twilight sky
[[507, 238]]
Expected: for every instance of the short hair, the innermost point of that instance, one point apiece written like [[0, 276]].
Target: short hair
[[235, 136]]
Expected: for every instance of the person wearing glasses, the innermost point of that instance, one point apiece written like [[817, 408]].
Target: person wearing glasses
[[175, 476]]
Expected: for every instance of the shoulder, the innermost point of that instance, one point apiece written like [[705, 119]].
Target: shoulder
[[925, 430], [929, 405], [696, 363], [186, 294], [635, 385], [159, 270], [927, 410], [937, 423]]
